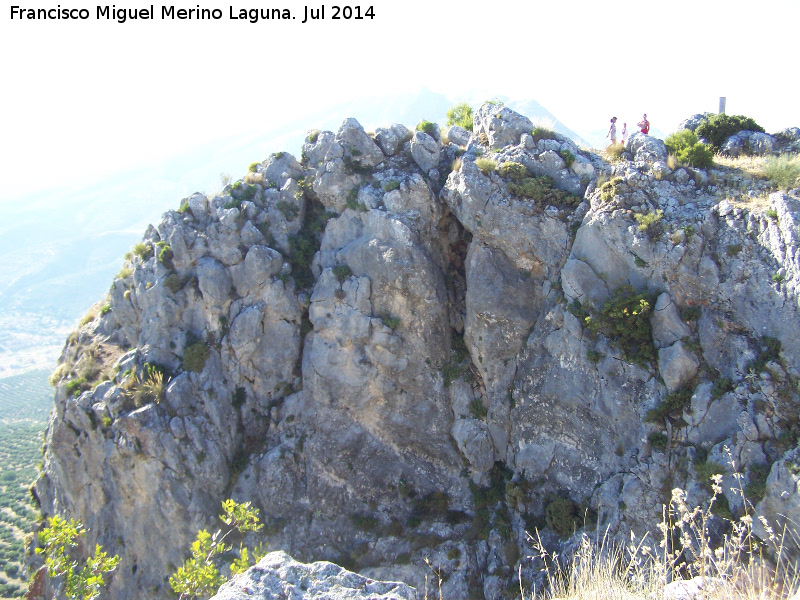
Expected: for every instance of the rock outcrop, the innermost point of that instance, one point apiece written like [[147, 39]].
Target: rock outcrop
[[277, 575], [399, 354]]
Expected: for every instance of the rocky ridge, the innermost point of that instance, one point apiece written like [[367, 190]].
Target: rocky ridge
[[399, 353]]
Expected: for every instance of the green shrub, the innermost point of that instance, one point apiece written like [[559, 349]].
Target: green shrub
[[514, 171], [783, 171], [239, 397], [390, 185], [313, 136], [57, 543], [688, 150], [706, 470], [253, 167], [363, 522], [288, 210], [718, 128], [541, 190], [391, 322], [486, 165], [341, 272], [143, 251], [733, 249], [721, 387], [625, 320], [478, 410], [461, 115], [756, 487], [542, 133], [658, 440], [609, 189], [165, 254], [305, 243], [75, 386], [427, 127], [769, 349], [568, 157], [561, 516], [195, 356], [200, 575], [674, 402], [173, 283], [650, 223]]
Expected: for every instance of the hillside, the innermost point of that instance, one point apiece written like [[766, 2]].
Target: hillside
[[417, 345]]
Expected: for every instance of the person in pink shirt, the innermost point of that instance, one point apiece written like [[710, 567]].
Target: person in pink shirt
[[644, 124]]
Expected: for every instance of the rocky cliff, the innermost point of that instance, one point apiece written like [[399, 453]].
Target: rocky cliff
[[412, 345]]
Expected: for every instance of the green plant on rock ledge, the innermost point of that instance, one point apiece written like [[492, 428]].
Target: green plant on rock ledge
[[609, 189], [688, 150], [539, 189], [650, 223], [625, 321], [427, 127], [486, 165], [200, 575], [195, 356]]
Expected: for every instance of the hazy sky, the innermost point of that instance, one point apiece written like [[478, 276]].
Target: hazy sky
[[83, 99]]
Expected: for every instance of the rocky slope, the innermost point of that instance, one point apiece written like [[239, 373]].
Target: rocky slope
[[399, 353]]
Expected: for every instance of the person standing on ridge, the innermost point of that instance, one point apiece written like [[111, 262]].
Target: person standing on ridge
[[612, 131], [624, 133], [644, 124]]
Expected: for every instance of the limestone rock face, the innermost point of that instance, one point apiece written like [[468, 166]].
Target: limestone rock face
[[396, 361]]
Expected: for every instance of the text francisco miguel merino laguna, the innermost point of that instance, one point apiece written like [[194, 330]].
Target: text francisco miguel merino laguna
[[253, 15]]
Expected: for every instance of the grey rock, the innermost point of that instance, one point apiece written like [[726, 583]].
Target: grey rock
[[424, 151], [358, 146], [214, 281], [551, 161], [458, 135], [502, 125], [580, 283], [277, 575], [677, 365], [475, 443], [693, 122], [390, 139], [761, 144], [198, 204], [666, 322], [697, 588], [646, 148]]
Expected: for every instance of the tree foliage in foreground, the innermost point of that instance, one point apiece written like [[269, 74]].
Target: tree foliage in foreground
[[200, 577], [58, 543]]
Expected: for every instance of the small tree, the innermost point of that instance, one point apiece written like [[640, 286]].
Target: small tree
[[58, 543], [718, 128], [200, 576], [688, 149], [461, 115]]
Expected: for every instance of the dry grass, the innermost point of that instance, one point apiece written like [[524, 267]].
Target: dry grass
[[739, 567], [254, 178], [758, 205], [749, 164], [613, 152]]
